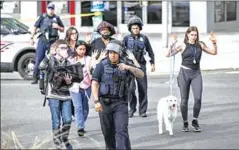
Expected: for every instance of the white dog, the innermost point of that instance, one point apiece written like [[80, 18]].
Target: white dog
[[167, 112]]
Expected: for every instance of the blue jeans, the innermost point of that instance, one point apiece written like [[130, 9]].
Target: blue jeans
[[60, 110], [81, 105]]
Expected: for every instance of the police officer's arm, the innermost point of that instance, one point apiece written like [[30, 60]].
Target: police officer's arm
[[135, 71], [96, 80], [149, 50], [36, 26], [60, 26]]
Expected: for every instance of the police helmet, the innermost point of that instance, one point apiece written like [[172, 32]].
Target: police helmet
[[135, 20], [105, 24], [115, 45]]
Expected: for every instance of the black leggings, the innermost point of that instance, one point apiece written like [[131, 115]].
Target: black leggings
[[187, 77]]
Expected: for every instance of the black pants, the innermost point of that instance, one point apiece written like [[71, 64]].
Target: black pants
[[114, 125], [143, 93], [187, 77]]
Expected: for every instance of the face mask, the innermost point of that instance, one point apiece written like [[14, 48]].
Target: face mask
[[64, 54], [105, 36]]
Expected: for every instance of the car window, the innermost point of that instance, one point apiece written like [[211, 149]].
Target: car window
[[4, 30], [14, 25]]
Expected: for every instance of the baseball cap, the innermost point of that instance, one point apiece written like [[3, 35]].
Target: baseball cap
[[51, 5]]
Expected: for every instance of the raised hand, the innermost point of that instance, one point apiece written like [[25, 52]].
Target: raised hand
[[173, 39], [130, 55], [213, 37], [88, 37], [102, 55], [95, 53]]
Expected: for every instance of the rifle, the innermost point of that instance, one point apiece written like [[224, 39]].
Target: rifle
[[43, 83], [68, 69]]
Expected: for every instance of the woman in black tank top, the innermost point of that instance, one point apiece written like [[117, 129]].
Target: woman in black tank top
[[190, 73]]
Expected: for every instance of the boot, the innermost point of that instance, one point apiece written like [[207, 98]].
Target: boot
[[35, 80], [65, 134], [57, 138]]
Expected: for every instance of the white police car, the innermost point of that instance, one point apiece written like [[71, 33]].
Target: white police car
[[17, 53]]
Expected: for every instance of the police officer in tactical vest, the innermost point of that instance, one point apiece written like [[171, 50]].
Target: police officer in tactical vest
[[139, 44], [109, 89], [49, 24]]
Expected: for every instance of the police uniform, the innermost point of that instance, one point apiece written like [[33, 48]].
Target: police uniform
[[113, 87], [139, 45], [47, 36]]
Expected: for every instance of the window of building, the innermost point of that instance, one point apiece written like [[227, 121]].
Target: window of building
[[225, 11], [61, 7], [109, 13], [131, 8], [154, 11], [11, 7], [180, 14]]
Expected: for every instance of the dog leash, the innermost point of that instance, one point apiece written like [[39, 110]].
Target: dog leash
[[172, 65]]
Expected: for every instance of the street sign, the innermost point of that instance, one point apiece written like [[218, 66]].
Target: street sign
[[97, 6]]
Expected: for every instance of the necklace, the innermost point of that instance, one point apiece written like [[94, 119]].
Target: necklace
[[194, 50]]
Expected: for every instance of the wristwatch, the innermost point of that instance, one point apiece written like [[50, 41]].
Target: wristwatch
[[96, 101]]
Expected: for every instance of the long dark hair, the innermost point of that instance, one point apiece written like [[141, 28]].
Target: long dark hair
[[79, 43], [68, 34], [190, 29]]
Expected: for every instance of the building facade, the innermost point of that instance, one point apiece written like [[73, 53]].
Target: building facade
[[206, 15]]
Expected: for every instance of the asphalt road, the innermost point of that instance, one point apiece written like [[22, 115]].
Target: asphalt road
[[22, 114]]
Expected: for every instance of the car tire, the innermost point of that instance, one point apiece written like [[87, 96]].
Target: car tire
[[23, 64]]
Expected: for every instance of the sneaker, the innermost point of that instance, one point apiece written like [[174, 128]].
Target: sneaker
[[196, 126], [185, 127], [143, 115], [81, 132]]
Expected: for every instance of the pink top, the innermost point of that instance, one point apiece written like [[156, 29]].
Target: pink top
[[86, 82]]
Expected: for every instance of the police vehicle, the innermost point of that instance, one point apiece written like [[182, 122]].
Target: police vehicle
[[17, 53]]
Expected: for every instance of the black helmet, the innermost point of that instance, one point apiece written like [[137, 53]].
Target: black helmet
[[105, 24], [135, 20]]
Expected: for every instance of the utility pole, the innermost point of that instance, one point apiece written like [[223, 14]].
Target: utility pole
[[165, 15]]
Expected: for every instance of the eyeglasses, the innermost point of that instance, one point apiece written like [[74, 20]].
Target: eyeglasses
[[74, 33]]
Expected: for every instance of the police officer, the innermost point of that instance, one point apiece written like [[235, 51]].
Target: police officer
[[49, 24], [139, 44], [106, 30], [109, 89]]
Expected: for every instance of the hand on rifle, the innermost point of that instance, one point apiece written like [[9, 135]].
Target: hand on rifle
[[68, 78]]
